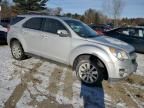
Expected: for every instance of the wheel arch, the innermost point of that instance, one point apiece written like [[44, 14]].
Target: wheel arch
[[12, 40], [21, 41], [92, 57]]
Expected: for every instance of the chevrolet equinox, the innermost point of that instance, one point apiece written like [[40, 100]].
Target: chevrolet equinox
[[69, 41]]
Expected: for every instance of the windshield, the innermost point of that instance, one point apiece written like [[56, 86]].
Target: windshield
[[81, 29]]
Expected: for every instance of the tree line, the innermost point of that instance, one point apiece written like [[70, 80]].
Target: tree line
[[90, 16]]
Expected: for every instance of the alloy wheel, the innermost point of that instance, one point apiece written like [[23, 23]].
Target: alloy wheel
[[16, 50], [88, 73]]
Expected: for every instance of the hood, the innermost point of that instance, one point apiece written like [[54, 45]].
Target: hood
[[112, 42]]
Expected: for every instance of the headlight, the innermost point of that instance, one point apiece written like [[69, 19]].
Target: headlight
[[120, 54]]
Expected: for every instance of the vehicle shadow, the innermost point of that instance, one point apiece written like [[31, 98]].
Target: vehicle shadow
[[93, 96], [3, 43]]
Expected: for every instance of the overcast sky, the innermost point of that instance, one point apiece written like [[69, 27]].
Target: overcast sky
[[132, 8]]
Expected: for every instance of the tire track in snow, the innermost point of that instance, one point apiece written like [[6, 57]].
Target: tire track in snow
[[19, 90], [68, 82], [59, 95], [54, 80], [132, 97]]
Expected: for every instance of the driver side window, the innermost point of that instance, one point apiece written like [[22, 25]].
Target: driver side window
[[52, 26]]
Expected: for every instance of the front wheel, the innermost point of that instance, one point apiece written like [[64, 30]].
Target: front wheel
[[88, 71]]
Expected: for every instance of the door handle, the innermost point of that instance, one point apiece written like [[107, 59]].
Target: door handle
[[45, 36]]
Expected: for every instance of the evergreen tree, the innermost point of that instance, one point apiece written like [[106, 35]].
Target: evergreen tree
[[30, 5]]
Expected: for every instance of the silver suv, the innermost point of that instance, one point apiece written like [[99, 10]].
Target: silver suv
[[71, 42]]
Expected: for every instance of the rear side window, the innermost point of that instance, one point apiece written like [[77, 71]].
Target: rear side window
[[124, 31], [16, 20], [33, 23], [141, 33]]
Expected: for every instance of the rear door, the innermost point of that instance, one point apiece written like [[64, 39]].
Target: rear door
[[138, 38], [32, 35], [133, 36], [124, 35], [112, 33], [141, 40]]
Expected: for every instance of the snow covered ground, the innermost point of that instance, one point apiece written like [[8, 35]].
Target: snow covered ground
[[140, 60], [37, 83]]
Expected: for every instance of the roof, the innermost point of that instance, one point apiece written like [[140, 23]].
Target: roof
[[55, 17], [135, 27]]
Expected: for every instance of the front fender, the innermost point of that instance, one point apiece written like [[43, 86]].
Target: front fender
[[92, 50], [96, 51]]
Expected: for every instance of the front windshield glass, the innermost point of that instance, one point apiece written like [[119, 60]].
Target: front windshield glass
[[81, 29]]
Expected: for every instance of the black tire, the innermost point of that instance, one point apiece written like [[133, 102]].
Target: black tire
[[17, 50], [94, 62]]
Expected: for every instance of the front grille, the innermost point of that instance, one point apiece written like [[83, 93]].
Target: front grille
[[133, 57], [132, 53], [134, 61]]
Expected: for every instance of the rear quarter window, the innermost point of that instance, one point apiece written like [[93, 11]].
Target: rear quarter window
[[16, 20]]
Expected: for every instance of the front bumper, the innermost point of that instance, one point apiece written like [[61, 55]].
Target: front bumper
[[122, 69], [3, 37]]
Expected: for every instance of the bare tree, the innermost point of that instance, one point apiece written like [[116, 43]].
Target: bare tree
[[113, 8], [54, 11], [58, 10], [106, 6], [117, 7]]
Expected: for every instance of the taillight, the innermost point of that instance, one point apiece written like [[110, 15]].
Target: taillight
[[99, 32], [8, 28]]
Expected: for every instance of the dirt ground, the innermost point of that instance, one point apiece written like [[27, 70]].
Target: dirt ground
[[38, 83], [129, 91]]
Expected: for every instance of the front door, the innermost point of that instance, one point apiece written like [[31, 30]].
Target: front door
[[55, 47]]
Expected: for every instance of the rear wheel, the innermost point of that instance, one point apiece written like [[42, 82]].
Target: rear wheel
[[88, 71], [17, 50]]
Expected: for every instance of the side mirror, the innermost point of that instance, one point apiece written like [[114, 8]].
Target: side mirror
[[62, 33]]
